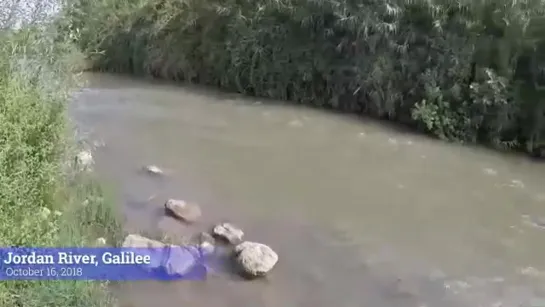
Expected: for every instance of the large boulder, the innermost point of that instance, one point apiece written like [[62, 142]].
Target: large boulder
[[228, 232], [255, 259], [189, 212]]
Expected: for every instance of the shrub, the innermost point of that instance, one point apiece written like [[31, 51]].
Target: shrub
[[461, 70], [39, 207]]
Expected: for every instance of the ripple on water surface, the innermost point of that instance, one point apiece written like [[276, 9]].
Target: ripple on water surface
[[402, 211]]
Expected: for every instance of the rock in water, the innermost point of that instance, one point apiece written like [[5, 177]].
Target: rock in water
[[137, 241], [155, 249], [255, 259], [84, 159], [189, 212], [154, 170], [229, 232]]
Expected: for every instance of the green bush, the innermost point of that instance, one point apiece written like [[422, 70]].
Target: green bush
[[461, 70], [41, 194]]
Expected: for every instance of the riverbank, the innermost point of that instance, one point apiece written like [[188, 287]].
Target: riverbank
[[44, 200], [455, 72]]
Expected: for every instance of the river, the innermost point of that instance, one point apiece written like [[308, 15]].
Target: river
[[361, 214]]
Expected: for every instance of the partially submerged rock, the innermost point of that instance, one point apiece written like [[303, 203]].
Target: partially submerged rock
[[84, 159], [138, 241], [189, 212], [255, 259], [229, 232], [153, 170], [143, 243]]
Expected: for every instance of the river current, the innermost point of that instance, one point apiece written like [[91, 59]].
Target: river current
[[361, 214]]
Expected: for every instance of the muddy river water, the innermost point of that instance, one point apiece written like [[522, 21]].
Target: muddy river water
[[360, 214]]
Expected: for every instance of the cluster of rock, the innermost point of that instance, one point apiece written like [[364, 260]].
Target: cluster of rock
[[254, 259]]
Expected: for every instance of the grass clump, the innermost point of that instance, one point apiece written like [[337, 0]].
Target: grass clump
[[469, 71], [44, 202]]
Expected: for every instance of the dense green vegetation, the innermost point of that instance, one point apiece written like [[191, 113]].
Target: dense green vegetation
[[44, 200], [462, 70]]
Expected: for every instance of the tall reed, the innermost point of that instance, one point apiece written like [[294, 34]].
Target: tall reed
[[41, 194], [469, 71]]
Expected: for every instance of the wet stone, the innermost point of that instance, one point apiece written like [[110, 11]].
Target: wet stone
[[229, 232], [255, 259], [138, 241], [153, 170], [189, 212]]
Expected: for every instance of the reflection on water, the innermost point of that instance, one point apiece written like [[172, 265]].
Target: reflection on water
[[360, 214]]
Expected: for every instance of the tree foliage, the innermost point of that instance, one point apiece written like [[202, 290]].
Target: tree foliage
[[465, 70]]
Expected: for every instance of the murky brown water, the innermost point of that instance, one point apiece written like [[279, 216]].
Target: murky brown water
[[361, 215]]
